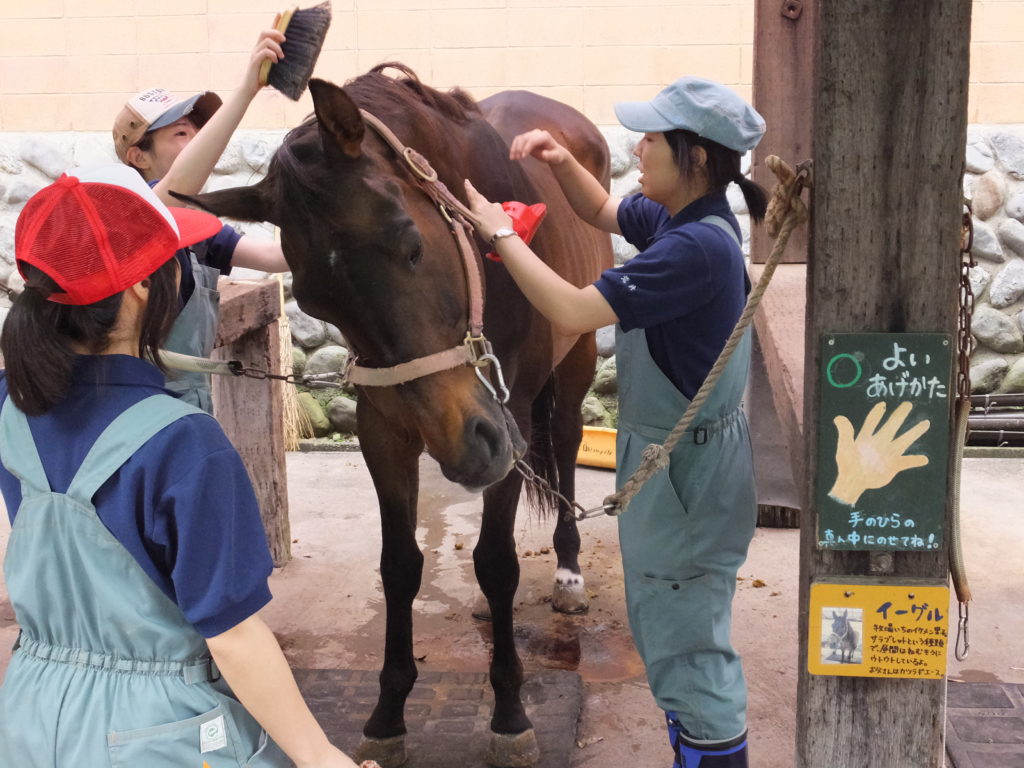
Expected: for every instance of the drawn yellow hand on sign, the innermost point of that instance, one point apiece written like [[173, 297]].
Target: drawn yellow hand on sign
[[872, 459]]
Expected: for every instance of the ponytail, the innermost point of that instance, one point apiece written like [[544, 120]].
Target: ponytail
[[755, 197], [39, 361], [37, 337]]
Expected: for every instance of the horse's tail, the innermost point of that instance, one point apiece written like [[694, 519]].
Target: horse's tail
[[541, 456]]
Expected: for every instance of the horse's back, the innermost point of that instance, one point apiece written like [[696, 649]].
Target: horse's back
[[515, 112]]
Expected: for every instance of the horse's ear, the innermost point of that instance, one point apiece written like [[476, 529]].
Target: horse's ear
[[341, 126], [239, 203]]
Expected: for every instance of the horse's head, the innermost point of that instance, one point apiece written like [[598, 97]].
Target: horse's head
[[372, 254]]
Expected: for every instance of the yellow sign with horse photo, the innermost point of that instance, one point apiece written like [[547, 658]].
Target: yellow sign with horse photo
[[871, 628]]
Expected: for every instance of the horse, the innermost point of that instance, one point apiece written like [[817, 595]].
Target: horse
[[370, 226], [843, 637]]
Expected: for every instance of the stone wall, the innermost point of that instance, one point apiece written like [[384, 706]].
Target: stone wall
[[994, 182]]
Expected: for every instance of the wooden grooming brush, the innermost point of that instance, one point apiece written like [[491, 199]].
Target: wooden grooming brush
[[304, 31]]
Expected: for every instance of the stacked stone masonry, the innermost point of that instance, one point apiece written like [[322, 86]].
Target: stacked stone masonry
[[993, 183]]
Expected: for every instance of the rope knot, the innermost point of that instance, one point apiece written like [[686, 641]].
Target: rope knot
[[785, 200], [656, 457]]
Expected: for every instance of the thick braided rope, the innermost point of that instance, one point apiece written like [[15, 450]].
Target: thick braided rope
[[787, 207]]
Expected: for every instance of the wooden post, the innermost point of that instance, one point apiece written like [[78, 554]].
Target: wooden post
[[889, 134], [784, 36], [252, 410]]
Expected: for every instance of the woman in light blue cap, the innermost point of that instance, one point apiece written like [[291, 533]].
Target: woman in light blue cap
[[685, 535]]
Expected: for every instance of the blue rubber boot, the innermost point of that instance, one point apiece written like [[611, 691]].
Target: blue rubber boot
[[692, 753]]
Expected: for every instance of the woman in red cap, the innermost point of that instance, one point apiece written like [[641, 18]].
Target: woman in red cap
[[137, 562], [685, 534], [175, 145]]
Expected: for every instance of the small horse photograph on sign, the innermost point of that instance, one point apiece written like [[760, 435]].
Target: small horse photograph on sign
[[842, 635]]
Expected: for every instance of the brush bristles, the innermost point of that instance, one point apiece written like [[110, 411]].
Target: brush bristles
[[304, 37]]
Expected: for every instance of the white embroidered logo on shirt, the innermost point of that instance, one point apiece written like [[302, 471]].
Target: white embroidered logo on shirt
[[625, 282], [213, 735]]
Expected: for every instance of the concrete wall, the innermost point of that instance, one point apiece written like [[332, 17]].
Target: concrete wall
[[69, 65]]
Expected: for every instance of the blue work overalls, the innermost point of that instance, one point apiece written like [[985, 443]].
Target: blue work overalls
[[684, 536], [194, 333], [107, 671]]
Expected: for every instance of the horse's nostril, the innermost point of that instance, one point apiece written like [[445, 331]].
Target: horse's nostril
[[487, 437]]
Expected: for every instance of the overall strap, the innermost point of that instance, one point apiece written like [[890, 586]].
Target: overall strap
[[723, 225], [18, 451], [122, 438]]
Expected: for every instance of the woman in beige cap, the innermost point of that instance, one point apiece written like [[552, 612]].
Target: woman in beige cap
[[175, 145]]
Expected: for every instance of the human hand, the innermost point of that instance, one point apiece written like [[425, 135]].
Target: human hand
[[267, 48], [539, 144], [488, 217], [335, 758], [872, 459]]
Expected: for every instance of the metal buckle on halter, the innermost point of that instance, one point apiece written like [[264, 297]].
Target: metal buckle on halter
[[479, 348], [700, 435], [419, 164]]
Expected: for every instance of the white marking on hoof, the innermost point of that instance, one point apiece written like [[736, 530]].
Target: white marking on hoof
[[389, 752], [569, 594], [482, 609], [513, 750]]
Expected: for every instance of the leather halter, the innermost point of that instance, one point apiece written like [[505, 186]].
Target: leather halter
[[475, 349]]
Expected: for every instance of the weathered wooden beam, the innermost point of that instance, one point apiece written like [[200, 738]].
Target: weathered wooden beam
[[784, 35], [252, 410], [244, 306], [889, 133]]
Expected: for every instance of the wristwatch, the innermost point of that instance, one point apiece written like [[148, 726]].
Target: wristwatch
[[500, 233]]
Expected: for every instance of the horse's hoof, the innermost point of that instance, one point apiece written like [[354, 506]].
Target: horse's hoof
[[389, 752], [569, 594], [513, 750]]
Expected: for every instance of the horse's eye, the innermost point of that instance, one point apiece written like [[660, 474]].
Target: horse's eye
[[416, 254]]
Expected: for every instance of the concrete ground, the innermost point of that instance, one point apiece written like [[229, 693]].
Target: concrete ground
[[328, 607]]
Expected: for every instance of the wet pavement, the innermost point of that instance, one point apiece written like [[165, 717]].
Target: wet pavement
[[328, 613]]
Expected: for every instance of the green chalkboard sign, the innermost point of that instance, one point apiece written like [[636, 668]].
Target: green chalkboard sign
[[883, 440]]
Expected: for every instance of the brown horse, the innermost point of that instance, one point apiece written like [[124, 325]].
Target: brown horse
[[371, 253]]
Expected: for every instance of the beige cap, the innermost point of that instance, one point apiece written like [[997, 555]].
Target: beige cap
[[157, 108]]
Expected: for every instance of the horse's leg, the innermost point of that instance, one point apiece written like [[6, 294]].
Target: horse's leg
[[572, 380], [513, 742], [392, 460]]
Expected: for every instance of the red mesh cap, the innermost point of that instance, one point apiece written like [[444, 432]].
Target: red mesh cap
[[97, 231]]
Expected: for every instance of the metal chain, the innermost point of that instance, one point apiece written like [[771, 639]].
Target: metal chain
[[313, 381], [964, 342], [544, 486], [964, 339]]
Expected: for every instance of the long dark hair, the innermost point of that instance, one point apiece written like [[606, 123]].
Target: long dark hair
[[37, 334], [723, 166]]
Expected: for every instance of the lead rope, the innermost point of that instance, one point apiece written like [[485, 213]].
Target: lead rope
[[962, 408], [785, 211]]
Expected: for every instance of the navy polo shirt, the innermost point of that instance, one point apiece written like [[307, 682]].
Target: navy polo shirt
[[182, 506], [686, 288], [215, 252]]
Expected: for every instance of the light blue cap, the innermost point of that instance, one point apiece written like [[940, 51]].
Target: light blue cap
[[705, 107]]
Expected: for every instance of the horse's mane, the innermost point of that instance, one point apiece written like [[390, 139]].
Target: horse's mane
[[375, 89], [376, 92]]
